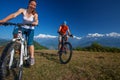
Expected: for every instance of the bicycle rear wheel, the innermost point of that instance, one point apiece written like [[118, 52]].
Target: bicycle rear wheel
[[65, 53], [9, 67]]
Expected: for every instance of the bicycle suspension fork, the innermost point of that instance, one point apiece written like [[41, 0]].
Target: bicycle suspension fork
[[11, 58], [22, 52]]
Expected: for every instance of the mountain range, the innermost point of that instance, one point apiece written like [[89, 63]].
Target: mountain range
[[110, 40], [51, 41], [4, 42]]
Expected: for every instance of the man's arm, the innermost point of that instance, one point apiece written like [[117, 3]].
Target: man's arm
[[59, 29], [69, 33]]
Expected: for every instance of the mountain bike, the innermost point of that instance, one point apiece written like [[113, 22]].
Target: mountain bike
[[14, 55], [65, 52]]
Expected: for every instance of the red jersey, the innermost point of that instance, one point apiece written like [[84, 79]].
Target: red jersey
[[64, 29]]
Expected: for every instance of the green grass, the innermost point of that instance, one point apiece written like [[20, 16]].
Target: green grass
[[83, 66]]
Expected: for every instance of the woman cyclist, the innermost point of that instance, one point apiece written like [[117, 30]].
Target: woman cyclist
[[30, 16]]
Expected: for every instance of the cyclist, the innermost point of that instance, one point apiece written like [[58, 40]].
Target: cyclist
[[30, 16], [63, 30]]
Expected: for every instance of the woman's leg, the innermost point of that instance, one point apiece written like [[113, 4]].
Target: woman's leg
[[31, 45], [31, 50]]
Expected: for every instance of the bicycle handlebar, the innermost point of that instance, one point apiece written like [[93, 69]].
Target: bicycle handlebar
[[16, 24]]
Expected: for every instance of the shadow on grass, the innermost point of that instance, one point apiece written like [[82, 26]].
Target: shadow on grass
[[11, 74], [51, 57]]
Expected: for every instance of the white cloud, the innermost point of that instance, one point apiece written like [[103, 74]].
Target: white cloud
[[45, 36], [113, 34], [95, 35], [51, 36], [77, 37]]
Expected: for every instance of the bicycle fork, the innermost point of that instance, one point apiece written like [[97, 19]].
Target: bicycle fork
[[26, 52], [11, 58], [21, 55]]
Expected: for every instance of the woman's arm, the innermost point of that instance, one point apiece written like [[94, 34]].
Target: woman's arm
[[35, 19], [13, 15]]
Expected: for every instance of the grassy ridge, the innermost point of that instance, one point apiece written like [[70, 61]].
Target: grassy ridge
[[96, 47], [83, 66], [38, 46]]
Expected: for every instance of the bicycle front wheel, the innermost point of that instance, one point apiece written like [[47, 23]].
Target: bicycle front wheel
[[10, 59], [65, 53]]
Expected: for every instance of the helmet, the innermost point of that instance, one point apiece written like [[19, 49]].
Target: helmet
[[65, 22]]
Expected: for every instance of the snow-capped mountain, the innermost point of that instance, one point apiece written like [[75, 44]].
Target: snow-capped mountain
[[111, 40]]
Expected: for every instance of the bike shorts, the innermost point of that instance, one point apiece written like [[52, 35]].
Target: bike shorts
[[60, 38], [30, 35]]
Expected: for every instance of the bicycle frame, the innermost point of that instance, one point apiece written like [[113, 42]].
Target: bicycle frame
[[15, 53], [23, 51], [65, 52], [64, 39]]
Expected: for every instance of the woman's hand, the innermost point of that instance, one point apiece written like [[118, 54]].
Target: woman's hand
[[35, 23]]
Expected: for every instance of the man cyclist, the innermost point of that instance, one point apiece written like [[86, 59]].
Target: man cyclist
[[30, 16], [63, 30]]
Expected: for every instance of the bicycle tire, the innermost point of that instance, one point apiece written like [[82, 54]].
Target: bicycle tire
[[65, 55], [14, 71]]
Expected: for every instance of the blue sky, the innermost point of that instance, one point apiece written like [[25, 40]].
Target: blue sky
[[82, 16]]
